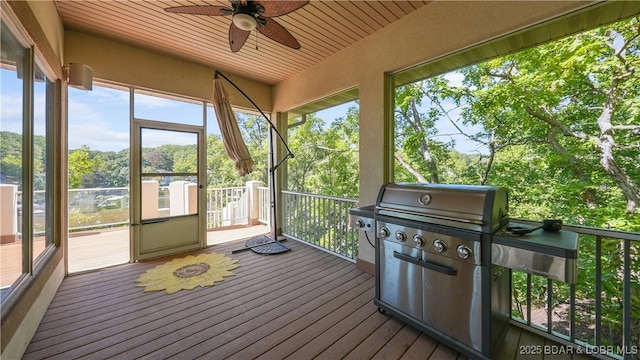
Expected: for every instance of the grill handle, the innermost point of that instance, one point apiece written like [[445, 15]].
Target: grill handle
[[447, 270]]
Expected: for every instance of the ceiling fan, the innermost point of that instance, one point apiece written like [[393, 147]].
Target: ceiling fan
[[248, 15]]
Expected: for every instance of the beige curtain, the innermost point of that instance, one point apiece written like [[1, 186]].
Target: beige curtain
[[231, 135]]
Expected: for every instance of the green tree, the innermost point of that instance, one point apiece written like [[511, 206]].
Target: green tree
[[338, 173], [11, 158], [221, 170], [307, 144], [574, 101], [255, 131], [157, 160], [81, 164], [418, 151], [186, 159], [561, 126]]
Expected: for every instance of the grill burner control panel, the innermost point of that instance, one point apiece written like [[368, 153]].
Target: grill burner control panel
[[440, 244], [362, 218]]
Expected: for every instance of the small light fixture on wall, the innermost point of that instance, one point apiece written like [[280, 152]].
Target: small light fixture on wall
[[79, 76]]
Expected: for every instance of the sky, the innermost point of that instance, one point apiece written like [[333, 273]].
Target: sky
[[100, 118]]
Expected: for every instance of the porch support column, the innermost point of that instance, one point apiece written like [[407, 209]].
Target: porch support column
[[374, 142]]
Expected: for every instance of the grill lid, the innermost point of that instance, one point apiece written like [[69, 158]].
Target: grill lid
[[471, 207]]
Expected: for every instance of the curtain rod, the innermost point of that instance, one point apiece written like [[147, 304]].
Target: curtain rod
[[289, 153]]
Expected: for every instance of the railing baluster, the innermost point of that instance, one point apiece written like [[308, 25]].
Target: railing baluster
[[327, 213], [549, 305], [598, 329], [626, 304], [342, 234], [314, 222], [337, 235], [572, 312], [308, 205], [529, 299]]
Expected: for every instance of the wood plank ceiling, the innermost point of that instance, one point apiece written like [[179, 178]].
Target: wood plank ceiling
[[322, 27]]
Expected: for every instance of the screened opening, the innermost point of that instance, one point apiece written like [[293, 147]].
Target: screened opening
[[322, 179], [557, 123], [324, 137]]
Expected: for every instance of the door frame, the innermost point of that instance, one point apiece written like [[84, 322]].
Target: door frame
[[135, 209]]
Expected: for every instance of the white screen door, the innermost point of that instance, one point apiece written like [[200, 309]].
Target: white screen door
[[167, 186]]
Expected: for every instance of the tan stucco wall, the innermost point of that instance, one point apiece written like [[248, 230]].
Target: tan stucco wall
[[51, 25], [151, 70], [437, 29]]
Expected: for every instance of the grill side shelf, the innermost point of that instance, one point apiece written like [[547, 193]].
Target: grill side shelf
[[562, 243], [551, 255]]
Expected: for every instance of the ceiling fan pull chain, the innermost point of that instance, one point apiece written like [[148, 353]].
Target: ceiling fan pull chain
[[256, 40]]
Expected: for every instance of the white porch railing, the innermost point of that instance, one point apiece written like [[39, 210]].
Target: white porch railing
[[600, 314], [227, 206], [264, 204], [320, 220], [94, 208]]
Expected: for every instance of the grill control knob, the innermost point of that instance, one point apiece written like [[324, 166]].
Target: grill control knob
[[463, 252], [383, 232], [439, 245], [418, 241], [359, 224], [400, 236]]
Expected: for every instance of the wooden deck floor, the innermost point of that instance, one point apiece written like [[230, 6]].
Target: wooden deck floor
[[97, 249], [301, 304]]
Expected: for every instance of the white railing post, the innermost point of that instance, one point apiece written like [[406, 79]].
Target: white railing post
[[191, 197], [183, 198], [253, 201], [9, 210], [264, 205], [150, 199]]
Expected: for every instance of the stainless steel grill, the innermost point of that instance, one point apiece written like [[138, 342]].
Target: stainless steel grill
[[433, 261], [443, 254]]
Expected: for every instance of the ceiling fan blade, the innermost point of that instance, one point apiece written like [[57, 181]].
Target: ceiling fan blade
[[279, 8], [237, 37], [209, 10], [276, 32]]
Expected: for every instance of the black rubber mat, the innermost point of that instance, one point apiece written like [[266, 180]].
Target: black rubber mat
[[266, 246]]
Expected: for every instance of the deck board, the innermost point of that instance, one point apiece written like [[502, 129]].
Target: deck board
[[301, 304], [423, 346]]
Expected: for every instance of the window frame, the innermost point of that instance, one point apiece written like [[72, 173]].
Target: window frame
[[588, 18], [53, 92]]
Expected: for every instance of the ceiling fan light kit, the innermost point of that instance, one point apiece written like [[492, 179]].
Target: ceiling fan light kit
[[245, 22], [247, 15]]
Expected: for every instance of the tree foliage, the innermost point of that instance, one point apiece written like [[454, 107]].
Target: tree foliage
[[81, 165], [11, 158], [326, 155], [559, 126]]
